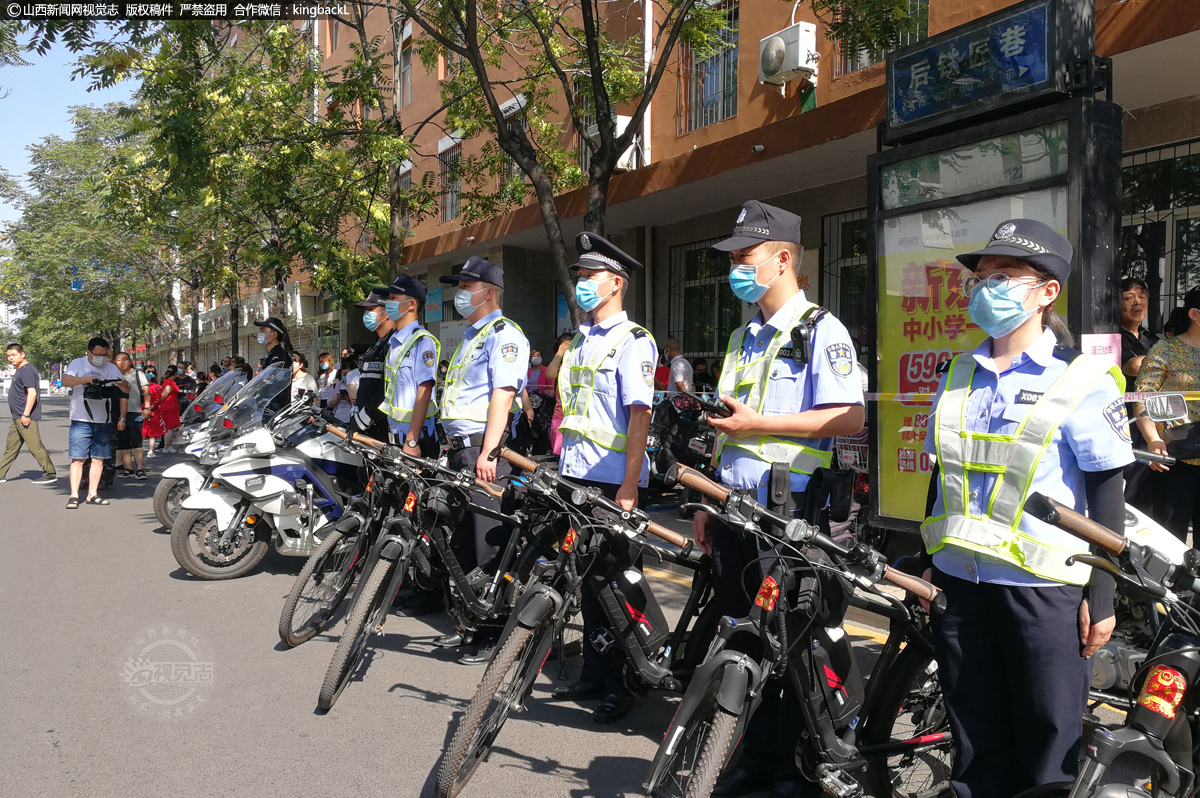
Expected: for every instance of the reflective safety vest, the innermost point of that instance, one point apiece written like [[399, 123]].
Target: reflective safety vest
[[576, 387], [403, 414], [463, 356], [754, 377], [1014, 460]]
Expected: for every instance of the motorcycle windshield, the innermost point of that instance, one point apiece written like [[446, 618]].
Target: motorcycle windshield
[[253, 399], [218, 393]]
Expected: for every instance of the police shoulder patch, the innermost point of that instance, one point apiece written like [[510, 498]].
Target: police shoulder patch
[[509, 352], [841, 359], [427, 357], [648, 372], [1118, 418]]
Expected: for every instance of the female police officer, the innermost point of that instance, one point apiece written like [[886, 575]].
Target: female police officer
[[1019, 415]]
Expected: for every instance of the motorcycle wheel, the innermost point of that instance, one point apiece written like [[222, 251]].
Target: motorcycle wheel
[[494, 700], [911, 706], [189, 536], [169, 495], [701, 751], [321, 587], [358, 631]]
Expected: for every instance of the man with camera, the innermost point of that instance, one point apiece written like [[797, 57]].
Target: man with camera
[[93, 380]]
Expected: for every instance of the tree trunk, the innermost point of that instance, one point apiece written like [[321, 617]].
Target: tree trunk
[[235, 317], [558, 244], [194, 349]]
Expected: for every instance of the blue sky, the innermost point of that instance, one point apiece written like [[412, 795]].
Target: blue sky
[[36, 106]]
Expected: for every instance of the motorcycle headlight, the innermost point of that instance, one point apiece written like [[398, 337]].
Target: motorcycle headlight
[[214, 451]]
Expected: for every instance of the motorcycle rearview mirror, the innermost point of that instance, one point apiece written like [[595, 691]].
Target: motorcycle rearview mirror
[[1167, 407]]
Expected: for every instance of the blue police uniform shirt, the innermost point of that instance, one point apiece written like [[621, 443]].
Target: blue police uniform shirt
[[623, 380], [1094, 437], [830, 378], [419, 366], [501, 363]]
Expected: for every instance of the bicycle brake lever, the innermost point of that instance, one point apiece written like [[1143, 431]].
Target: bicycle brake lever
[[1153, 589]]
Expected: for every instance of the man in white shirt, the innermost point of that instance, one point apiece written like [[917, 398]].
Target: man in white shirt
[[90, 436], [681, 368]]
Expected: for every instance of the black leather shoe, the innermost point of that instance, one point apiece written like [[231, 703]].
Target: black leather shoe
[[613, 708], [742, 780], [580, 691], [792, 788], [449, 640], [480, 656]]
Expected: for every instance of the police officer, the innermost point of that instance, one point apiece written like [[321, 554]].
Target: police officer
[[273, 335], [367, 417], [1012, 644], [411, 370], [606, 384], [486, 374], [790, 382]]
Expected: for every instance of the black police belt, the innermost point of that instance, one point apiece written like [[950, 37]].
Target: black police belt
[[456, 443]]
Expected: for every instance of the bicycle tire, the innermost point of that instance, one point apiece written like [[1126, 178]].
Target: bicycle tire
[[208, 569], [683, 765], [914, 694], [717, 746], [169, 495], [354, 640], [324, 563], [473, 739]]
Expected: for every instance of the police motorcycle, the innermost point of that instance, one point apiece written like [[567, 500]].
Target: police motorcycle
[[196, 425], [277, 478]]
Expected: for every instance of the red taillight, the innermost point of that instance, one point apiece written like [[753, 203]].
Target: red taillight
[[410, 502], [768, 594], [227, 423], [219, 399], [1163, 691], [569, 541], [198, 408]]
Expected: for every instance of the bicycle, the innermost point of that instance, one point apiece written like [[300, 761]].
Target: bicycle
[[607, 544], [848, 727]]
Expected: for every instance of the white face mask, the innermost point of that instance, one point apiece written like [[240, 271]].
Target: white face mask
[[98, 360]]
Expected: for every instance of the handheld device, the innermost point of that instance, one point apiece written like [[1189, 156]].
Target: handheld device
[[713, 408]]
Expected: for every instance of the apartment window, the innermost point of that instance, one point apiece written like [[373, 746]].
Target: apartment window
[[708, 90], [703, 311], [333, 35], [450, 183], [406, 75], [845, 279], [405, 187], [847, 62]]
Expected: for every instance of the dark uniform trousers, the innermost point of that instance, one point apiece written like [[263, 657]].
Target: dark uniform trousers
[[479, 540], [606, 669], [1014, 682]]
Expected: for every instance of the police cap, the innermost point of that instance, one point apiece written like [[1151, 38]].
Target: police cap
[[758, 222], [273, 323], [376, 298], [597, 252], [476, 268], [1030, 241], [409, 286]]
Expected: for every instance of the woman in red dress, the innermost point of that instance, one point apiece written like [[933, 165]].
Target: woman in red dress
[[152, 426], [170, 405]]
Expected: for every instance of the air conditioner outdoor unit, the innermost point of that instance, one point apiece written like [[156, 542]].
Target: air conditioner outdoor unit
[[787, 54], [629, 159]]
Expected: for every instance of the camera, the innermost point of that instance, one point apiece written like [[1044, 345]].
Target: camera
[[96, 391]]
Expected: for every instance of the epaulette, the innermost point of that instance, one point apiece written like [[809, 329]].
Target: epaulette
[[943, 367], [640, 332], [499, 325], [1066, 353]]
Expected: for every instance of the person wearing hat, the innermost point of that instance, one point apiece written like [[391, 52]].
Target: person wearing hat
[[411, 370], [273, 335], [485, 375], [786, 407], [368, 416], [1018, 415], [606, 385]]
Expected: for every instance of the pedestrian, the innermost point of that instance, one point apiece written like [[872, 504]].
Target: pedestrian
[[1173, 364], [153, 427], [368, 418], [485, 376], [785, 413], [535, 379], [410, 371], [273, 336], [26, 408], [1177, 323], [342, 403], [129, 436], [303, 383], [170, 404], [326, 379], [1136, 342], [679, 377], [703, 381], [552, 372], [89, 438], [1020, 623], [607, 389]]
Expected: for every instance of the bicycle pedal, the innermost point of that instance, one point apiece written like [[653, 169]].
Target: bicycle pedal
[[603, 640], [836, 783]]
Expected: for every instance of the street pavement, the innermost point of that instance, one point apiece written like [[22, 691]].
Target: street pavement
[[93, 594]]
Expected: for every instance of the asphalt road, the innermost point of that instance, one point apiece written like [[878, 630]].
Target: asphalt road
[[90, 593]]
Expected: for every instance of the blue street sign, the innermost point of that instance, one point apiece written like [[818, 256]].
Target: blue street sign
[[1001, 56]]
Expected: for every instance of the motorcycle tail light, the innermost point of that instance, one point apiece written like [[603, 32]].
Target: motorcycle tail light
[[219, 399], [768, 594], [227, 423], [569, 541], [1163, 691], [198, 408]]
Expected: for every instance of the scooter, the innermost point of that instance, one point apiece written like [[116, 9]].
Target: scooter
[[196, 426], [284, 481]]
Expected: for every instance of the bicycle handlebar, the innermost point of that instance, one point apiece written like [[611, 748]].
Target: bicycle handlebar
[[520, 461], [1051, 512], [696, 481], [917, 586], [1151, 457]]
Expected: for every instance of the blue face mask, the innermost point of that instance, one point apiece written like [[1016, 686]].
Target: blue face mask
[[587, 295], [462, 302], [392, 309], [324, 367], [371, 322], [262, 338], [998, 313], [743, 279]]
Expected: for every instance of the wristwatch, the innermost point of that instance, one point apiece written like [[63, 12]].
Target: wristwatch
[[407, 442]]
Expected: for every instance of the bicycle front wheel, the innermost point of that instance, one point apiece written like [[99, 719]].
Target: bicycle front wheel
[[359, 628], [320, 588], [698, 752]]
